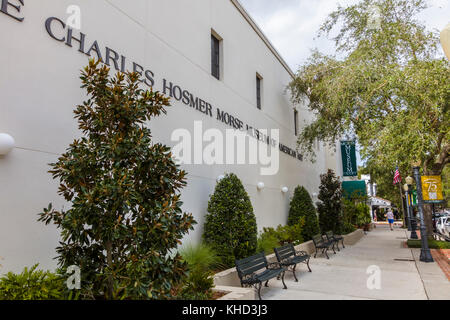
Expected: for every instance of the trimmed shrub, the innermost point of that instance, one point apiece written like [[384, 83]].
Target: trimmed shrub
[[32, 284], [349, 213], [230, 226], [271, 238], [329, 207], [355, 213], [363, 215], [302, 207], [266, 242], [432, 244]]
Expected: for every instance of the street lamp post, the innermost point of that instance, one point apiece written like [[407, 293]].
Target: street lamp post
[[425, 253], [407, 216], [412, 218]]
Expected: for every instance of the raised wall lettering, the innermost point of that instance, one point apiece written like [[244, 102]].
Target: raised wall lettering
[[48, 27], [81, 41], [115, 59], [123, 60], [177, 93], [96, 48], [149, 75], [6, 4], [170, 87]]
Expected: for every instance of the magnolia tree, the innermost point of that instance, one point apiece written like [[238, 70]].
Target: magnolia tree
[[125, 215], [387, 85]]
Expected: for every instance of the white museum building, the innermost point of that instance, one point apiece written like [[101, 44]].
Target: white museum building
[[209, 56]]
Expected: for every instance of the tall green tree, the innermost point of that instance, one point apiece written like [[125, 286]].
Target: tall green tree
[[302, 207], [125, 214], [383, 177], [330, 204], [230, 226], [386, 85]]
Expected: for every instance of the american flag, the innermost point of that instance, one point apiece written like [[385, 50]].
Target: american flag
[[397, 177]]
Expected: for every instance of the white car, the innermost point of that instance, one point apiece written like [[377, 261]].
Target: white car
[[443, 226]]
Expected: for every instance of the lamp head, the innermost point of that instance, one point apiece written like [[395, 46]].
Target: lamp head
[[409, 180], [7, 143]]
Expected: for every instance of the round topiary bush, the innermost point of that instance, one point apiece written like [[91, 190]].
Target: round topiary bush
[[302, 206], [230, 226]]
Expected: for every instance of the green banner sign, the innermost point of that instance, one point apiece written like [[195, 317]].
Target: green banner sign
[[348, 151], [413, 198]]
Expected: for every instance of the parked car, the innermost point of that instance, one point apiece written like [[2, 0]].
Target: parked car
[[443, 226], [435, 218]]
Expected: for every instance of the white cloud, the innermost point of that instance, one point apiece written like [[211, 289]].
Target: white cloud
[[292, 25]]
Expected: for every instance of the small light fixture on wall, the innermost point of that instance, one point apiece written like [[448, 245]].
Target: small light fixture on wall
[[284, 189], [220, 178], [445, 40], [260, 185], [7, 143]]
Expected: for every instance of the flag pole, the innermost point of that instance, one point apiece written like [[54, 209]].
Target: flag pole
[[398, 179]]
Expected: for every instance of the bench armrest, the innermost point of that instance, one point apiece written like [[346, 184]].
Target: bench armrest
[[274, 266], [301, 253], [249, 278]]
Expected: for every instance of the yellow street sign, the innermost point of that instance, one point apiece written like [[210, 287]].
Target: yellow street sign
[[432, 188]]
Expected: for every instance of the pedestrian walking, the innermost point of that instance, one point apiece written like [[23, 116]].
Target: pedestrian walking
[[390, 217]]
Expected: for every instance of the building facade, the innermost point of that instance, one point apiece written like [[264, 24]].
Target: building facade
[[208, 55]]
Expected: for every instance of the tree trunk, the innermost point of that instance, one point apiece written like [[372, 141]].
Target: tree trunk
[[435, 170], [428, 218], [108, 246]]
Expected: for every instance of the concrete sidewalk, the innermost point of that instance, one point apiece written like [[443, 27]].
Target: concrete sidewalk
[[344, 275]]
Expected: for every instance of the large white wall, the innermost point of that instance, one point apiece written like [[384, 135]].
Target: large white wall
[[39, 87]]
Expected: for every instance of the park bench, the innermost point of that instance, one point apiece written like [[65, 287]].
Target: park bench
[[247, 271], [321, 243], [288, 257], [335, 238]]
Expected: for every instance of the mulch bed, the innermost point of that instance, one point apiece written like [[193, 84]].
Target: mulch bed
[[218, 294], [442, 258]]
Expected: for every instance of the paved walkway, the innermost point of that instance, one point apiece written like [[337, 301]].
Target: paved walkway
[[344, 275]]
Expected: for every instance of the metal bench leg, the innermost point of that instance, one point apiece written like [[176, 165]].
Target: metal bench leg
[[259, 290], [333, 249], [282, 280], [315, 253], [293, 271], [267, 283], [337, 245], [326, 253], [307, 263], [343, 243]]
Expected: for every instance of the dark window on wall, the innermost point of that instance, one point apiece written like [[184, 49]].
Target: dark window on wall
[[215, 57], [258, 91], [296, 122]]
